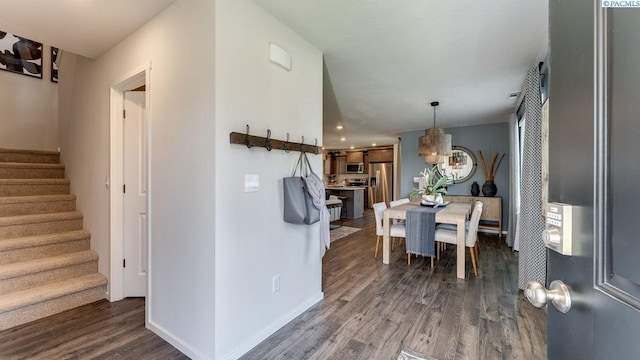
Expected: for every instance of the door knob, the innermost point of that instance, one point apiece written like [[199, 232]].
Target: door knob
[[558, 294]]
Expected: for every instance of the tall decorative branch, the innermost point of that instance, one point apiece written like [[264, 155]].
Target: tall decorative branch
[[490, 171]]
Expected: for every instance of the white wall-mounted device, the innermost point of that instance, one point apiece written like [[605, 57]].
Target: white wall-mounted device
[[558, 235], [280, 56], [251, 183]]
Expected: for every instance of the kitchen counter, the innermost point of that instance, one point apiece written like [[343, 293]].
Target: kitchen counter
[[344, 188], [353, 203]]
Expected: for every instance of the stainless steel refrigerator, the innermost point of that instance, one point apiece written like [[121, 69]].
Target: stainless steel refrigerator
[[380, 183]]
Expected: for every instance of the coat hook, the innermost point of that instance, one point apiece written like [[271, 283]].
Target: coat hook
[[315, 148], [246, 139], [302, 145], [267, 142], [285, 146]]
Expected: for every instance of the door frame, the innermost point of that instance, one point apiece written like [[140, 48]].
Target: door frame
[[134, 78]]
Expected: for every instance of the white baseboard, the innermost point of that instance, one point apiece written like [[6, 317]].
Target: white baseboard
[[272, 328], [176, 342], [491, 231]]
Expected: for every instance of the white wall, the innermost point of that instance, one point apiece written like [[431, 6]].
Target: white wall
[[29, 109], [180, 45], [253, 244]]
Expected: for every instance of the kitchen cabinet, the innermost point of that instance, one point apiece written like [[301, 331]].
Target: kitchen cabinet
[[382, 155], [355, 156], [366, 162], [339, 164]]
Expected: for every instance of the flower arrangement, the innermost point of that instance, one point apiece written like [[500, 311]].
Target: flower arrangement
[[431, 185], [490, 171]]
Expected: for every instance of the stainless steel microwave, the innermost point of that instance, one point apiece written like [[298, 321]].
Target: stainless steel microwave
[[355, 168]]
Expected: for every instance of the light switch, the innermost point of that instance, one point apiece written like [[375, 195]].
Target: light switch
[[251, 183]]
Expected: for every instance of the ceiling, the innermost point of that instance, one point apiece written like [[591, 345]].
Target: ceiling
[[386, 60], [85, 27]]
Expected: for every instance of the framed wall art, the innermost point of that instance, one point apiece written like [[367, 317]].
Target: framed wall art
[[20, 55], [54, 64]]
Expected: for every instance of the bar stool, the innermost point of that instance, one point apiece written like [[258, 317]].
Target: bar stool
[[345, 204], [334, 205]]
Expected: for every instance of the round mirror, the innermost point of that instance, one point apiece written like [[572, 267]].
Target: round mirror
[[460, 166]]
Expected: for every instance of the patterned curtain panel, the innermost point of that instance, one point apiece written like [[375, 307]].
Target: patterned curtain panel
[[532, 262], [514, 177]]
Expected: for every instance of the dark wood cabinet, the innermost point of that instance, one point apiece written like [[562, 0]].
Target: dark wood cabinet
[[355, 156], [382, 155], [339, 164], [366, 162]]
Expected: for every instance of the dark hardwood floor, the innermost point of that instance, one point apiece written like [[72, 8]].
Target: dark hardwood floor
[[372, 311], [101, 330]]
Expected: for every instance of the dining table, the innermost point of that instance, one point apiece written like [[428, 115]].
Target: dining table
[[453, 213]]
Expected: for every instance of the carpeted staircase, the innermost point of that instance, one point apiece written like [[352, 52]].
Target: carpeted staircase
[[46, 265]]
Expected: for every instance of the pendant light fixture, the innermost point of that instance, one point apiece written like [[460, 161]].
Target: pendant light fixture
[[435, 145]]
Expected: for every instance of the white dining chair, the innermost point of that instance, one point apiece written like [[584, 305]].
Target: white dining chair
[[396, 230], [396, 203], [447, 235]]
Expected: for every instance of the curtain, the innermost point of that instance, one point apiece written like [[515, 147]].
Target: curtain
[[514, 179], [532, 261]]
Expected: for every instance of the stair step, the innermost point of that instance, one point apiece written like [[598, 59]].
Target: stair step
[[38, 204], [27, 187], [10, 170], [28, 305], [39, 224], [29, 274], [29, 156], [41, 246]]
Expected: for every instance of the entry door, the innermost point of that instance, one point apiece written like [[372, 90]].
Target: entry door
[[135, 195], [594, 162]]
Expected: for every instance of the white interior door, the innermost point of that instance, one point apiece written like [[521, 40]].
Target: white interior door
[[135, 220]]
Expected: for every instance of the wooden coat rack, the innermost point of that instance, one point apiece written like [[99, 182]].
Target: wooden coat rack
[[268, 143]]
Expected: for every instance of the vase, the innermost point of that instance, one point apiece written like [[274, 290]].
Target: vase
[[489, 188], [434, 199], [475, 189]]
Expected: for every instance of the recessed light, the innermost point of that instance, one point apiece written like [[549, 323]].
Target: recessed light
[[374, 144], [343, 139], [339, 127], [352, 147]]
